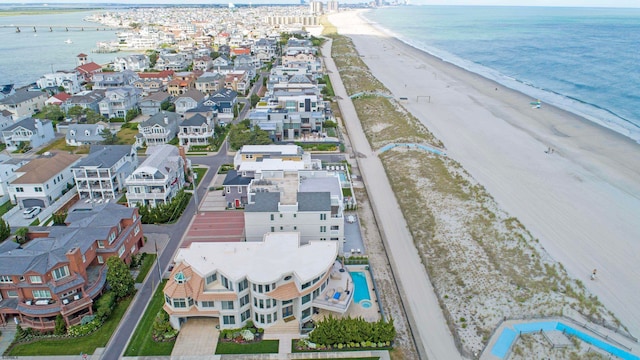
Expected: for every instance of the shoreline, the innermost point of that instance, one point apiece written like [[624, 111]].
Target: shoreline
[[582, 202], [586, 111]]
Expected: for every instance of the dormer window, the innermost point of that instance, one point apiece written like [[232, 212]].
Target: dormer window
[[60, 272], [112, 237], [180, 278]]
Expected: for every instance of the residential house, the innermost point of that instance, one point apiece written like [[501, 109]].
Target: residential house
[[23, 103], [182, 82], [224, 50], [135, 62], [202, 63], [89, 99], [237, 80], [148, 86], [8, 167], [6, 90], [188, 100], [6, 120], [223, 101], [209, 82], [279, 280], [245, 61], [57, 99], [88, 70], [307, 201], [152, 104], [69, 80], [240, 51], [117, 102], [84, 134], [43, 180], [222, 60], [34, 132], [61, 270], [279, 123], [165, 76], [110, 80], [196, 130], [235, 189], [159, 128], [102, 174], [264, 49], [158, 179], [175, 62]]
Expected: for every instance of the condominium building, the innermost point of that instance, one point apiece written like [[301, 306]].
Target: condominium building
[[102, 174], [271, 281]]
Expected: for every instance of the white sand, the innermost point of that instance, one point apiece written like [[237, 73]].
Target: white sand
[[582, 201]]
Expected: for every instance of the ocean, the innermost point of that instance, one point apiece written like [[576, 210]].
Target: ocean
[[27, 55], [584, 60]]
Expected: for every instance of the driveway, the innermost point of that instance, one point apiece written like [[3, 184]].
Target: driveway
[[198, 337]]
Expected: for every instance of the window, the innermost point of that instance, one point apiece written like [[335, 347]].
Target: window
[[207, 304], [19, 189], [323, 216], [272, 217], [100, 259], [121, 250], [239, 189], [179, 303], [273, 229], [112, 237], [38, 189], [245, 315], [306, 285], [5, 279], [136, 230], [242, 285], [229, 320], [335, 227], [227, 305], [306, 299], [12, 293], [244, 300], [323, 229], [306, 313], [167, 299], [41, 294], [211, 278], [61, 272], [35, 279], [226, 283]]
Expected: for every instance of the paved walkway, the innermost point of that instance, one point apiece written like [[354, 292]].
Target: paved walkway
[[197, 337], [429, 328]]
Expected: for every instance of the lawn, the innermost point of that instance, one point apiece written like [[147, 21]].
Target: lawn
[[75, 346], [127, 136], [201, 171], [142, 344], [147, 263], [4, 208], [262, 347], [60, 144]]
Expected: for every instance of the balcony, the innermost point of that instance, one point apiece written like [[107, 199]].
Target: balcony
[[144, 196]]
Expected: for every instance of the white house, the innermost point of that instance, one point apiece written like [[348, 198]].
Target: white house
[[69, 80], [159, 128], [196, 130], [23, 103], [102, 174], [117, 102], [43, 180], [158, 179], [30, 131], [269, 282], [8, 167], [135, 62]]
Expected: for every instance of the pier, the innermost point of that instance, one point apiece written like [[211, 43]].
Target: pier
[[51, 28]]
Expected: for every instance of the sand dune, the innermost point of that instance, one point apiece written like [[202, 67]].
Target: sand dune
[[582, 201]]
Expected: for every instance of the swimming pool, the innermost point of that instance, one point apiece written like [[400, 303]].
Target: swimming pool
[[343, 178], [361, 286], [504, 342]]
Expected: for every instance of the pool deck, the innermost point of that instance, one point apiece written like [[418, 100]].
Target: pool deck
[[581, 325]]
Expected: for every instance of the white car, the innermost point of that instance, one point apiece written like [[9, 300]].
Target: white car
[[351, 219], [30, 213]]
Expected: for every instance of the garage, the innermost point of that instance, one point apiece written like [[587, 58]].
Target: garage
[[27, 203]]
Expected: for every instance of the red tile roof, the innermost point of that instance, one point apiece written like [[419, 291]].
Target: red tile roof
[[89, 67], [63, 96]]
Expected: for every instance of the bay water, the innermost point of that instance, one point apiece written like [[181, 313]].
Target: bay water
[[584, 60]]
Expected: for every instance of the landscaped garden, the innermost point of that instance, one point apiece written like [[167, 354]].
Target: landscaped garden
[[142, 342], [246, 340], [348, 334]]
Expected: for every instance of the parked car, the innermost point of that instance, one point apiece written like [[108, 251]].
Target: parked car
[[30, 213], [351, 219]]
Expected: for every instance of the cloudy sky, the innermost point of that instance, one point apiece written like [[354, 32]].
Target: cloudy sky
[[588, 3]]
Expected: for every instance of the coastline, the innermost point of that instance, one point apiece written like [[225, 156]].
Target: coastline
[[582, 201]]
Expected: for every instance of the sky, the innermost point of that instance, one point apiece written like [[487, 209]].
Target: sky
[[580, 3]]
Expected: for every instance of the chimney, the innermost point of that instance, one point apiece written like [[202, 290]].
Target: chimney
[[166, 120]]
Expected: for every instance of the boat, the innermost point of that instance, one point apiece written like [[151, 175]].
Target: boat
[[68, 41]]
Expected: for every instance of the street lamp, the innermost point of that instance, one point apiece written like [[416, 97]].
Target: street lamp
[[195, 187]]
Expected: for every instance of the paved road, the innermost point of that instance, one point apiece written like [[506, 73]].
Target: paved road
[[120, 339], [432, 336]]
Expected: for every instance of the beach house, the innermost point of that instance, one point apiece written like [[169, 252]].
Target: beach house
[[101, 175], [272, 281], [28, 132]]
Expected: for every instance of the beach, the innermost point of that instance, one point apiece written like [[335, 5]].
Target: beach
[[573, 184]]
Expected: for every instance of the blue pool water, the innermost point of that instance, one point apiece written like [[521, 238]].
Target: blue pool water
[[343, 178], [361, 286], [501, 347]]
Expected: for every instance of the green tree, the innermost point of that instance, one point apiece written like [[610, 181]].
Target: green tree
[[93, 117], [110, 138], [119, 277], [329, 124], [61, 326], [131, 114], [59, 217], [75, 111], [21, 235], [254, 100], [5, 230], [51, 112]]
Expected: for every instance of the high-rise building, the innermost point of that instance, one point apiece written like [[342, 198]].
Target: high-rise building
[[332, 6], [315, 7]]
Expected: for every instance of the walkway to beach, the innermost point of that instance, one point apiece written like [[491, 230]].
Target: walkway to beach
[[434, 341]]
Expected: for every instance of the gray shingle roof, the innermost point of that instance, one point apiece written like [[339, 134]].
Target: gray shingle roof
[[235, 179], [314, 201], [104, 156], [264, 202], [21, 96], [40, 255], [28, 123], [195, 120]]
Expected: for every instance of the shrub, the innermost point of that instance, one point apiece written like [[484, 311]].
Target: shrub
[[86, 329], [61, 326]]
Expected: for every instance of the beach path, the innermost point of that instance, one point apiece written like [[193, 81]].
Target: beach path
[[434, 340]]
